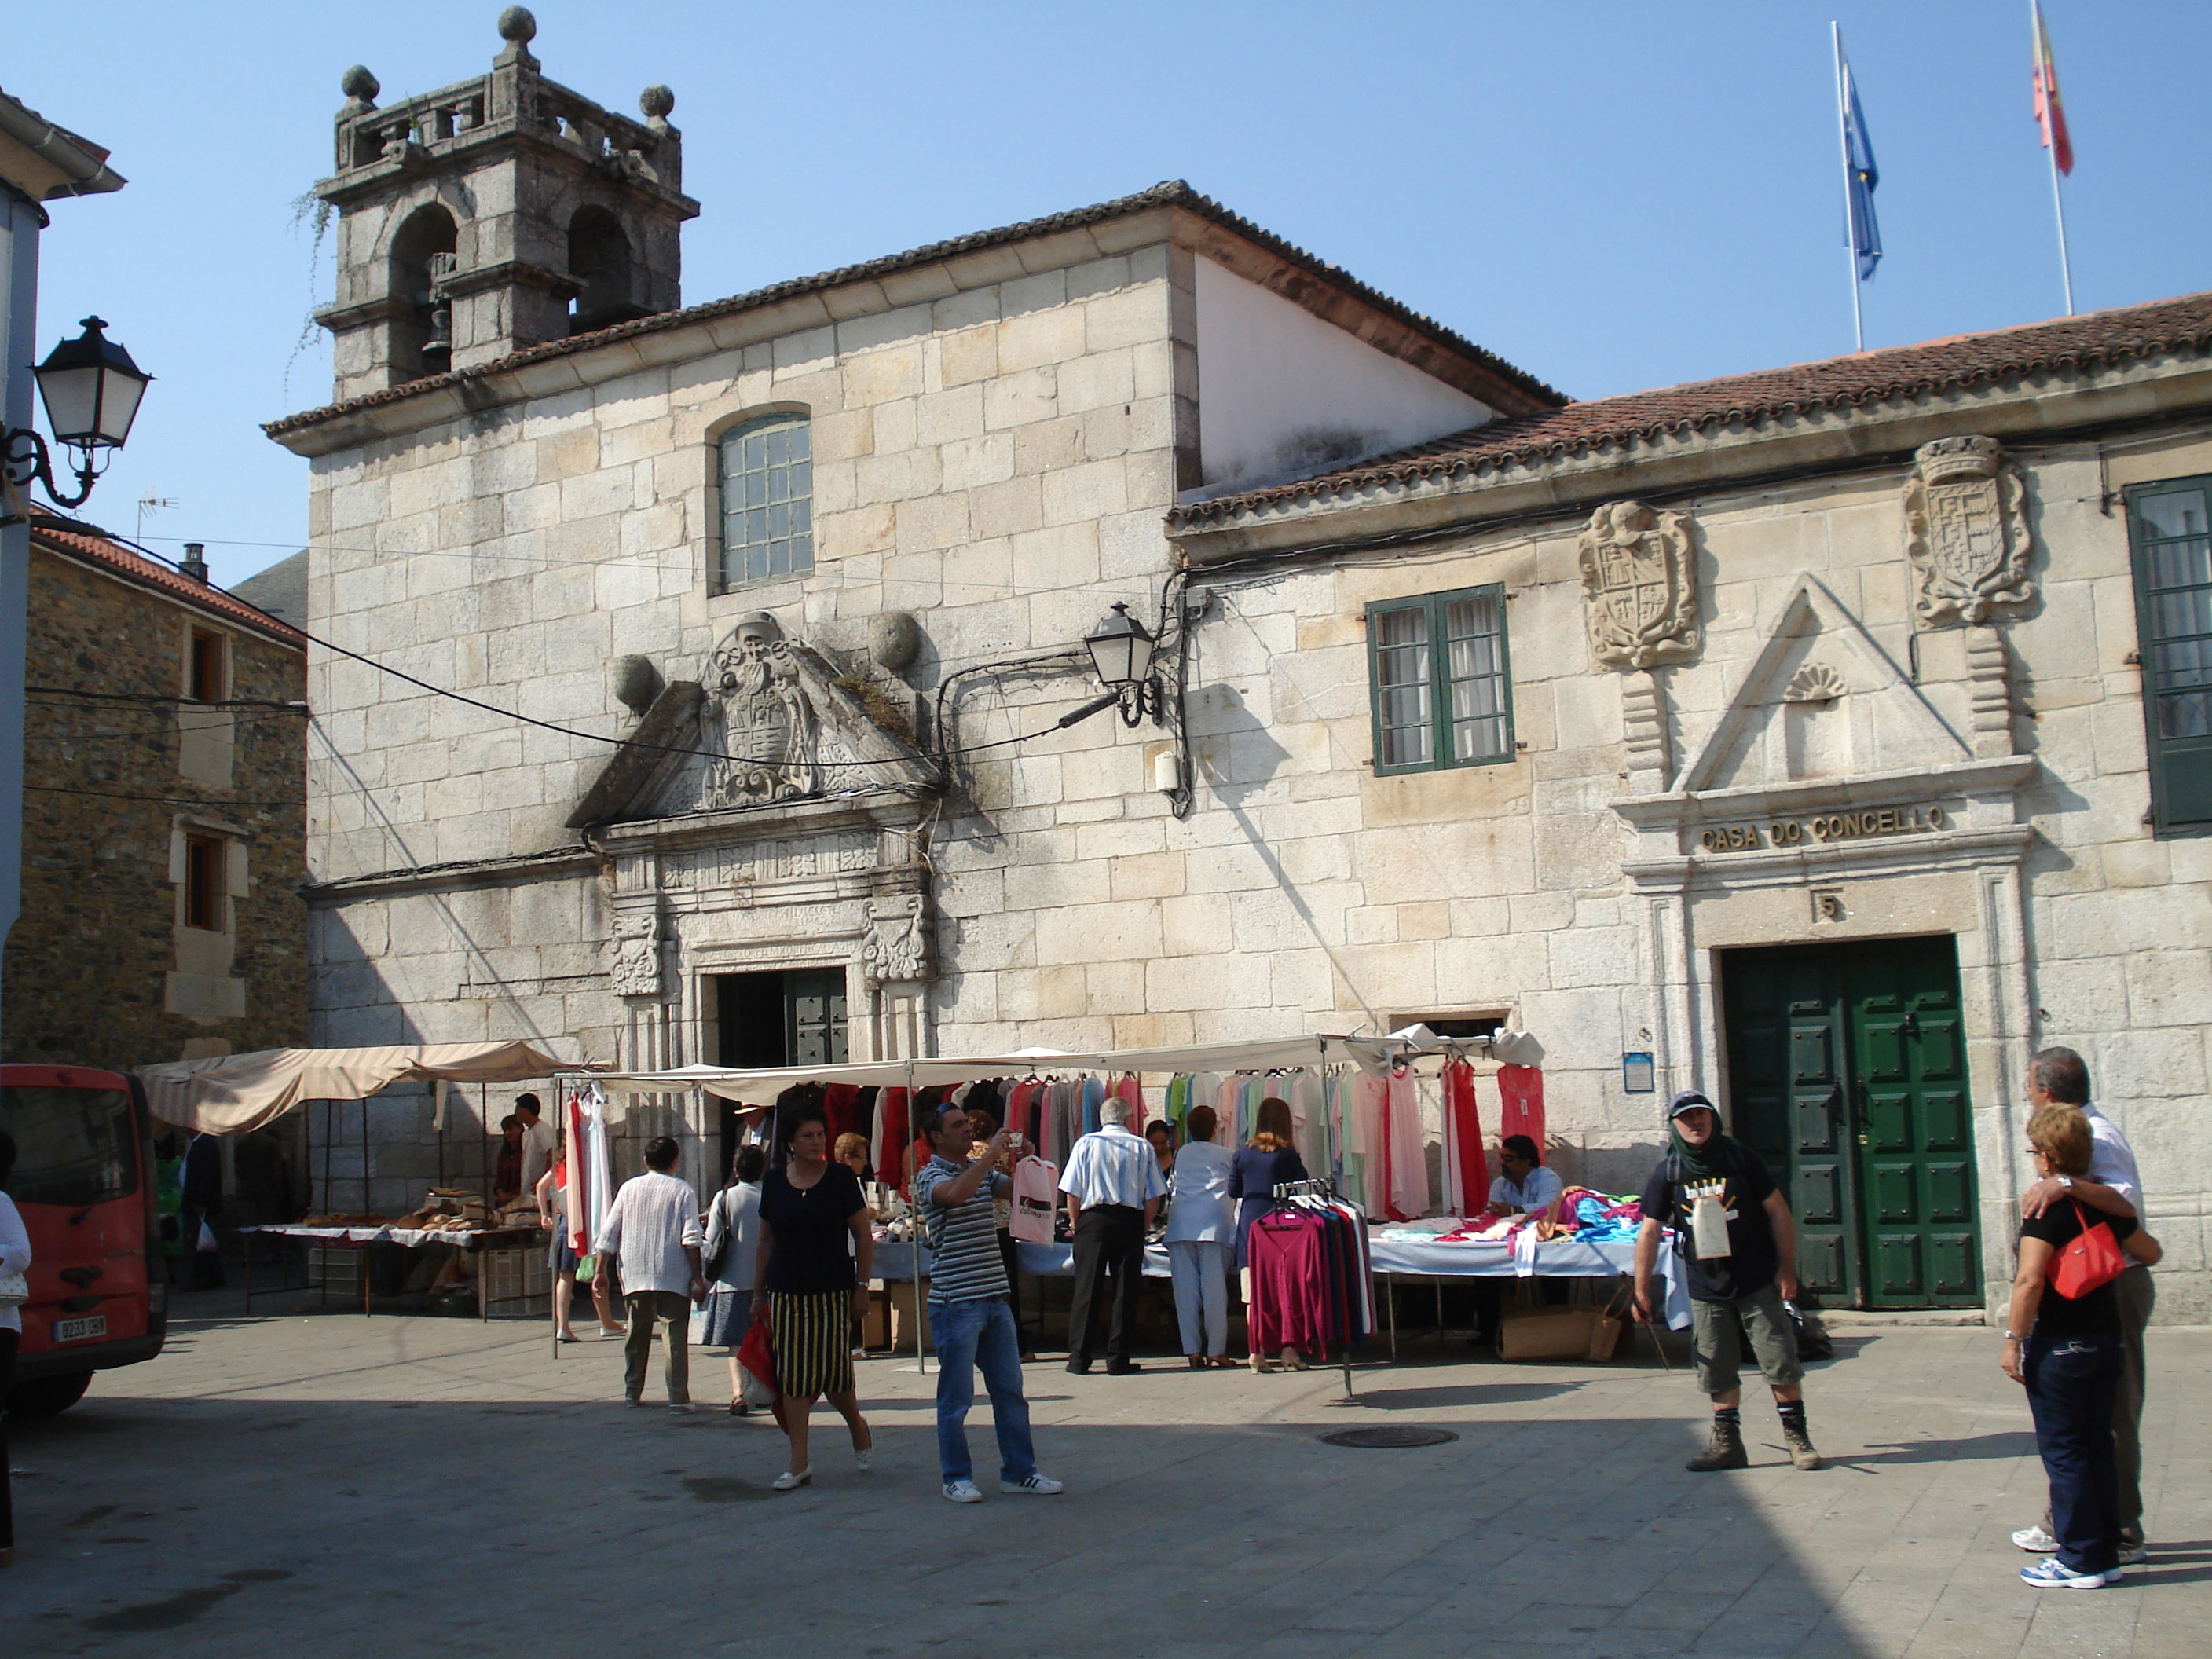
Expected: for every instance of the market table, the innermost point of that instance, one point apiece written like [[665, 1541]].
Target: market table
[[1565, 1257], [476, 1241]]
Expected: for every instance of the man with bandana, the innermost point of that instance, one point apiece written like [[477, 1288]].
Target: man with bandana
[[1738, 1245]]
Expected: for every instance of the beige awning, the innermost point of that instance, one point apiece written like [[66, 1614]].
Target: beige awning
[[230, 1094]]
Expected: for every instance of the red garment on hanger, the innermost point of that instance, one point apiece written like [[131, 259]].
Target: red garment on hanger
[[1465, 1117], [1521, 1092], [840, 1109], [891, 1137]]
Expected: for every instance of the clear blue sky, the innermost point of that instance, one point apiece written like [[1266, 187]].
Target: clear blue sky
[[1611, 196]]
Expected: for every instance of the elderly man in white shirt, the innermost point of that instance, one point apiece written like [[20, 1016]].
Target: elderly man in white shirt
[[2060, 1077], [1114, 1187], [653, 1230]]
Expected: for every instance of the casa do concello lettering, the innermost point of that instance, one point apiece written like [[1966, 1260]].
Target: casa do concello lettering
[[1823, 827]]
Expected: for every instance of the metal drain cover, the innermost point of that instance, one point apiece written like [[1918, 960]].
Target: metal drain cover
[[1388, 1439]]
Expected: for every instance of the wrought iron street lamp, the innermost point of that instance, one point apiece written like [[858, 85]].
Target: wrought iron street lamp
[[1122, 651], [91, 390]]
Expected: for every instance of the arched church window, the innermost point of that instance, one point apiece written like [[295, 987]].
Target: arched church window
[[599, 259], [768, 500], [422, 332]]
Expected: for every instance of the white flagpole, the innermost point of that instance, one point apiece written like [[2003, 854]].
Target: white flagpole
[[1843, 145], [2043, 75]]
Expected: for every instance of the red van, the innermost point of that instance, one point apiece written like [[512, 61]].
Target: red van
[[83, 1181]]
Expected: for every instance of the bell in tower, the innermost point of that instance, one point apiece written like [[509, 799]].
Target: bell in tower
[[495, 215]]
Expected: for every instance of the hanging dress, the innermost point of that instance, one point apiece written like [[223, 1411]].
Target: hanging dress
[[1521, 1097]]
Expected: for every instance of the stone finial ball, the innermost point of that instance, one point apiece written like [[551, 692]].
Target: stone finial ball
[[516, 24], [656, 100], [358, 82]]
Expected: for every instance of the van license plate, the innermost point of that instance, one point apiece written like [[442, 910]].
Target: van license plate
[[80, 1330]]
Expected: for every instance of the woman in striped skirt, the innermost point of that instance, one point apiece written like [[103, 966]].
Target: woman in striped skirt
[[813, 1263]]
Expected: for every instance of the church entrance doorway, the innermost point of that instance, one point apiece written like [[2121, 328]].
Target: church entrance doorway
[[1847, 1069], [795, 1018]]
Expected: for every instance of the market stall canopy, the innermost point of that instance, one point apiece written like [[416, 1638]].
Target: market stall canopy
[[761, 1087], [230, 1094]]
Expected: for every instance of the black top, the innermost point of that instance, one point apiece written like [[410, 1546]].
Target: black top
[[2097, 1314], [1742, 1187], [811, 1246]]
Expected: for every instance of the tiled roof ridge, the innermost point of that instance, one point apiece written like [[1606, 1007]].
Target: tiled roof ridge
[[1173, 193], [91, 542], [2183, 323]]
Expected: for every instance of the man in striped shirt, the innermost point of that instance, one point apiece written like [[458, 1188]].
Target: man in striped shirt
[[969, 1320]]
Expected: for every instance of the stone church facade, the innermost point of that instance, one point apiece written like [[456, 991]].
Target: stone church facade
[[1716, 735]]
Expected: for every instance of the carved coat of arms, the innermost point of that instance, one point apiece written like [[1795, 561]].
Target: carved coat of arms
[[898, 943], [768, 725], [1966, 531], [637, 954], [1639, 585]]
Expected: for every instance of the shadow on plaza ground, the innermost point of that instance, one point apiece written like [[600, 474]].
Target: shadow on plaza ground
[[362, 1527], [1204, 1518]]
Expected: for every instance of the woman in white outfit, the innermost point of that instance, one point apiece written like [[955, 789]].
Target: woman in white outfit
[[1201, 1235], [14, 1258], [735, 1217]]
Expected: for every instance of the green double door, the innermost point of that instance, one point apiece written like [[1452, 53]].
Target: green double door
[[1847, 1069]]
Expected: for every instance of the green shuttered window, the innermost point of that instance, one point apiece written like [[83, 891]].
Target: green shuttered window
[[1441, 679], [768, 500], [2170, 532]]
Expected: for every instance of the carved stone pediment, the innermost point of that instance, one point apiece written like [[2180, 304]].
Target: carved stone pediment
[[1967, 531], [1640, 585], [766, 722]]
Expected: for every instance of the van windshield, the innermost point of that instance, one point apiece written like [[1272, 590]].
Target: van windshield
[[73, 1146]]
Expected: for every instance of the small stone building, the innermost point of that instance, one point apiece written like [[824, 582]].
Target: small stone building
[[1824, 739], [164, 815]]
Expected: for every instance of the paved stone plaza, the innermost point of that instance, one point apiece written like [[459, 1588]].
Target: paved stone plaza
[[337, 1485]]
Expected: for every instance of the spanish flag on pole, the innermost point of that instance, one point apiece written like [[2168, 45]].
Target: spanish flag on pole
[[2050, 113]]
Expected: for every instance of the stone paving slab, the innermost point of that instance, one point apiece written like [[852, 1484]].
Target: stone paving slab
[[329, 1485]]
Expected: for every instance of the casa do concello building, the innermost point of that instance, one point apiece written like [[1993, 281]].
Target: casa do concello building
[[1790, 736]]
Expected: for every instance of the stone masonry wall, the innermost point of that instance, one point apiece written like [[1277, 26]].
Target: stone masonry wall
[[87, 963]]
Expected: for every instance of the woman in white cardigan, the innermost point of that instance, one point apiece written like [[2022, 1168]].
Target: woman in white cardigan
[[1201, 1235]]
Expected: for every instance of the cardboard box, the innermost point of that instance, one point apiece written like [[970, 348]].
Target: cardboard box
[[1586, 1334]]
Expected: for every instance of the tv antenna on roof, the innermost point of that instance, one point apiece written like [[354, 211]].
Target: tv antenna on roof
[[151, 504]]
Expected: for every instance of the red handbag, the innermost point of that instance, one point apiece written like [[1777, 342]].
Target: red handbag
[[2088, 1262]]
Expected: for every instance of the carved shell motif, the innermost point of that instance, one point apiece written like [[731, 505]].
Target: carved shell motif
[[1816, 681]]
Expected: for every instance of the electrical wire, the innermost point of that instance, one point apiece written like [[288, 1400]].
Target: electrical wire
[[174, 801]]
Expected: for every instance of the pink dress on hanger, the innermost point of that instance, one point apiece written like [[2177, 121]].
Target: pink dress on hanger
[[1408, 1177], [1521, 1095]]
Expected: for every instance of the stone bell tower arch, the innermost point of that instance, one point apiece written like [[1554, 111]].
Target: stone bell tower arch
[[495, 215]]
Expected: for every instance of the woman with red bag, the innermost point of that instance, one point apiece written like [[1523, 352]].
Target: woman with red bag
[[2062, 1343]]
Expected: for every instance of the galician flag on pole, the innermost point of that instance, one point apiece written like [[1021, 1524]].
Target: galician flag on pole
[[1860, 178], [2051, 119]]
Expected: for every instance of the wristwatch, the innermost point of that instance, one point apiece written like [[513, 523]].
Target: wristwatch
[[2009, 1337], [2065, 1182]]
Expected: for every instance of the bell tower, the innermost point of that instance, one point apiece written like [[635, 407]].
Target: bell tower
[[495, 215]]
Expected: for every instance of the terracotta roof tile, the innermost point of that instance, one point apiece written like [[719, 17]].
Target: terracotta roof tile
[[85, 542], [1964, 360], [1172, 193]]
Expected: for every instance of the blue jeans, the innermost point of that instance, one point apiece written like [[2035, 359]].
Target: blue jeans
[[2071, 1383], [980, 1333]]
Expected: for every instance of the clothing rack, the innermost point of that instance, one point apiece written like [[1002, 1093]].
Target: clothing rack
[[1289, 1192]]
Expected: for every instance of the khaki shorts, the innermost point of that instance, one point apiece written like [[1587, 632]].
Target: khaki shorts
[[1716, 1345]]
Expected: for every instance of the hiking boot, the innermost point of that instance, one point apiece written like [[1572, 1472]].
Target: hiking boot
[[1801, 1452], [1726, 1451]]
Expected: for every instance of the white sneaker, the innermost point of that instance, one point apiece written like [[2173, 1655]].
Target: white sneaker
[[2035, 1540], [2053, 1574], [1042, 1485], [964, 1491]]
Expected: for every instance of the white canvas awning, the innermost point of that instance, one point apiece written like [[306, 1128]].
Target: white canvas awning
[[760, 1088], [230, 1094]]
